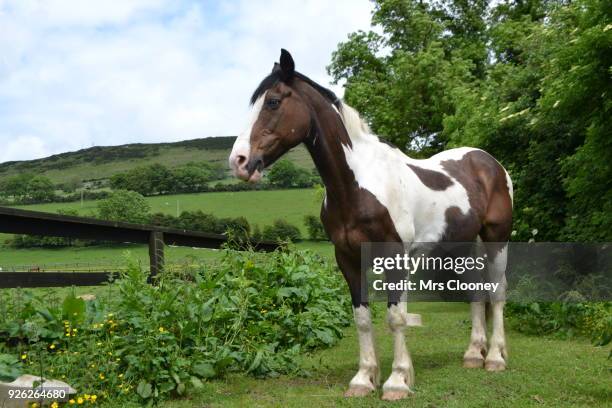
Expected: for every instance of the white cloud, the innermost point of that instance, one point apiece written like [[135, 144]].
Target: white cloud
[[75, 73], [22, 148]]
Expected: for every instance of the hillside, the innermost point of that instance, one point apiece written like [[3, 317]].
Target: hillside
[[101, 162]]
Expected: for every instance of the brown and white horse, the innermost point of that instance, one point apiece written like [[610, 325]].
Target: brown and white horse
[[375, 193]]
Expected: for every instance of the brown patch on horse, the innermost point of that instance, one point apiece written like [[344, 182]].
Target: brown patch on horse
[[431, 178], [490, 215]]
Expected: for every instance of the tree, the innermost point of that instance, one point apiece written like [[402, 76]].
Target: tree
[[400, 80], [16, 187], [127, 206], [40, 189]]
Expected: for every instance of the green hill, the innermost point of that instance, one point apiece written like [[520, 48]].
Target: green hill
[[101, 162]]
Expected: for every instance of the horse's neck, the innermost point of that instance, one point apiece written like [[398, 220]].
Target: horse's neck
[[328, 146]]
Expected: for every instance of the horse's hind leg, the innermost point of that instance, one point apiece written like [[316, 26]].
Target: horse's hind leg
[[497, 258], [474, 356], [495, 233]]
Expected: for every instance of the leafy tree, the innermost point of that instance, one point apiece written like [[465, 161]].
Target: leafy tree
[[16, 187], [400, 80], [127, 206], [40, 189]]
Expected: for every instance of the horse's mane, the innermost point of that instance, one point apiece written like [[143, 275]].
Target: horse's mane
[[354, 124]]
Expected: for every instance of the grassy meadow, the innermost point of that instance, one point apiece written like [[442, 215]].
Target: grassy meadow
[[542, 372], [259, 207]]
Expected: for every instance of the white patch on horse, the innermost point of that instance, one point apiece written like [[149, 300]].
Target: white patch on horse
[[510, 187], [373, 162], [242, 145]]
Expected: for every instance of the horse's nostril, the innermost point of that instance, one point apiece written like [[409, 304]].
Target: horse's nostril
[[241, 160]]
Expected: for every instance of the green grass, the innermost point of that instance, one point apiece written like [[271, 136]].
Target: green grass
[[542, 372], [259, 207], [97, 257]]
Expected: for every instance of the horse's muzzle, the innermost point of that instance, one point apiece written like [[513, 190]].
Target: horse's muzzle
[[247, 170]]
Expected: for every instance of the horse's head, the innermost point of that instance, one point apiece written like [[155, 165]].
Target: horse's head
[[281, 119]]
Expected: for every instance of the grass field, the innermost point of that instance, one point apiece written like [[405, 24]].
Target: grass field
[[542, 372], [109, 256], [259, 207]]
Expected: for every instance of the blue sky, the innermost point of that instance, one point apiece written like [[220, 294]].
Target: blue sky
[[78, 73]]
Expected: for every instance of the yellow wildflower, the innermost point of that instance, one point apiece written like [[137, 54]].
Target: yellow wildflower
[[52, 346], [71, 402], [102, 376], [80, 400], [24, 356], [161, 330], [94, 398], [55, 405], [87, 397]]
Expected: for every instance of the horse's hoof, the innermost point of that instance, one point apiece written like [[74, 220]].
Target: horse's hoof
[[395, 395], [358, 391], [495, 365], [473, 362]]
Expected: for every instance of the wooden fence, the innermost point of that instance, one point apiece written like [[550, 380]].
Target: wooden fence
[[16, 221]]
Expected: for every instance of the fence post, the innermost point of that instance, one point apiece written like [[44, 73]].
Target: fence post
[[156, 253]]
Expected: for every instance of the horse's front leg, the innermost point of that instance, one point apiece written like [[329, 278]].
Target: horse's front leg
[[367, 378], [401, 380]]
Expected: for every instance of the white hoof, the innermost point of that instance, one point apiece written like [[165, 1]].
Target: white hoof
[[358, 391]]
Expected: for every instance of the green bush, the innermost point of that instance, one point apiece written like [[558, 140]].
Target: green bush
[[250, 312], [281, 231], [565, 319], [316, 232], [285, 174]]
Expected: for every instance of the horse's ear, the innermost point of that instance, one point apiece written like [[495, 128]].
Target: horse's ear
[[286, 64]]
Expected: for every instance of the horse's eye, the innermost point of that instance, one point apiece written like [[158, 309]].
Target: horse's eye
[[273, 103]]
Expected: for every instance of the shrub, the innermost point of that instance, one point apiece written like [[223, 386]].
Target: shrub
[[285, 174], [281, 231], [565, 319], [249, 312], [200, 221], [316, 232]]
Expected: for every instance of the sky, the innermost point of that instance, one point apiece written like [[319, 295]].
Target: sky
[[76, 73]]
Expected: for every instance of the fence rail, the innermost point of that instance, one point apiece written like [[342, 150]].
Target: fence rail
[[17, 221]]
